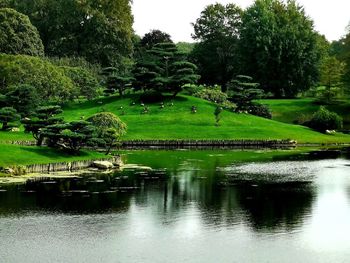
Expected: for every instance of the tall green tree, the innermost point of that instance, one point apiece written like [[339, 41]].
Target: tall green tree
[[332, 71], [217, 30], [279, 47], [99, 30], [18, 35]]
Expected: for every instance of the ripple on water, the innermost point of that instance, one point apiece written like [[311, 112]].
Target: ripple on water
[[280, 171]]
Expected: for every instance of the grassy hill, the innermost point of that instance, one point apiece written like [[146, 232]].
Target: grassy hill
[[177, 122]]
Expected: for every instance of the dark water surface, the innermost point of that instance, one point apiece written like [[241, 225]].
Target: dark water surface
[[194, 206]]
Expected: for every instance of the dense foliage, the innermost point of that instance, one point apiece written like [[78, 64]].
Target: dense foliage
[[324, 120], [279, 47], [24, 98], [18, 35], [108, 129], [99, 31], [50, 81], [85, 84], [216, 54]]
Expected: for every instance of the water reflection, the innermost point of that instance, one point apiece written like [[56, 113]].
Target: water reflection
[[195, 200]]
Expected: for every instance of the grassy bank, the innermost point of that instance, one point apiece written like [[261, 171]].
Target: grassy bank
[[177, 121], [24, 155], [289, 110]]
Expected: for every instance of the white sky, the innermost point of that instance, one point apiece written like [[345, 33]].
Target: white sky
[[175, 16]]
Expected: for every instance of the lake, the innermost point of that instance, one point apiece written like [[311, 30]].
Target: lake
[[192, 206]]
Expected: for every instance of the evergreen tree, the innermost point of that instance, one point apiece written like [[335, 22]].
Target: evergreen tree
[[7, 115], [43, 117]]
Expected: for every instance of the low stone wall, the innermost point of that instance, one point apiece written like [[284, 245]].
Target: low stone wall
[[68, 166], [218, 143]]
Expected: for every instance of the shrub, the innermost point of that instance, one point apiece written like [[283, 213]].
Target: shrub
[[18, 35], [324, 119], [192, 89], [85, 83], [50, 81], [260, 110], [212, 94]]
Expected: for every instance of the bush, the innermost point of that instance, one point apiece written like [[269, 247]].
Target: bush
[[260, 110], [192, 89], [324, 120], [18, 35], [50, 81], [212, 94], [85, 83]]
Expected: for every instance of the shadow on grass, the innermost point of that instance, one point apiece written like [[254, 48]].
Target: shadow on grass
[[53, 153]]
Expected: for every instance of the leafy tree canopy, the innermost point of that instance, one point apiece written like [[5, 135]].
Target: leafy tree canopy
[[18, 35], [154, 37], [216, 55], [98, 30], [279, 47]]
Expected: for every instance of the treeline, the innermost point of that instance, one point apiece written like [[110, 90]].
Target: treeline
[[274, 42], [68, 49]]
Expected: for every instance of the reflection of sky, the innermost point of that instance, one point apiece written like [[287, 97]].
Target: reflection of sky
[[328, 229], [194, 221]]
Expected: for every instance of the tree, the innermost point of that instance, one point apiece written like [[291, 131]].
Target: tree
[[18, 35], [182, 72], [154, 37], [332, 71], [216, 54], [243, 91], [115, 81], [279, 47], [345, 57], [109, 129], [7, 115], [99, 31], [49, 81], [24, 98], [44, 116], [71, 136]]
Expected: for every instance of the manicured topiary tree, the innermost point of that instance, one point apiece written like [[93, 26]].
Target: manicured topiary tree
[[70, 136], [18, 35], [43, 117], [7, 115]]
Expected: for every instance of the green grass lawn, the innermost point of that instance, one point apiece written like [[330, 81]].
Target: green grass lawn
[[24, 155], [288, 110], [177, 122]]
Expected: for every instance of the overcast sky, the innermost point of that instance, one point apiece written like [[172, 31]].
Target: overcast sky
[[175, 16]]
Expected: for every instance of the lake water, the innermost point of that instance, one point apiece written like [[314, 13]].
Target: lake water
[[194, 206]]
